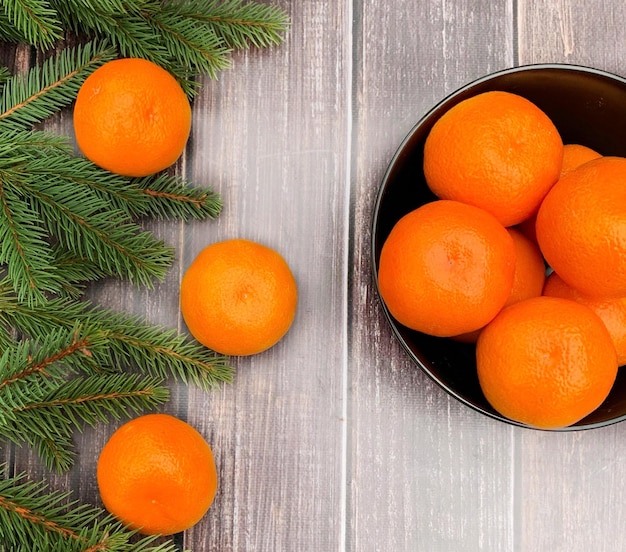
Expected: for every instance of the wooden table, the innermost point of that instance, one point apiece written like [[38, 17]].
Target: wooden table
[[332, 440]]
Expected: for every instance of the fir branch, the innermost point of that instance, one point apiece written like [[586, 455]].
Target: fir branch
[[78, 272], [161, 196], [128, 29], [131, 341], [238, 23], [34, 518], [90, 228], [23, 247], [9, 32], [56, 355], [47, 417], [33, 97], [46, 192], [187, 38], [41, 188], [172, 197], [97, 399], [164, 353], [35, 20], [188, 44]]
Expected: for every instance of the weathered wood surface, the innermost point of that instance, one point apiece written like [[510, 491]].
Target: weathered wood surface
[[332, 440]]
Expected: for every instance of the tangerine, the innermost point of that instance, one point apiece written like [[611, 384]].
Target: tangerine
[[530, 269], [575, 155], [581, 227], [131, 117], [612, 311], [528, 278], [238, 297], [546, 362], [446, 268], [497, 151], [157, 475]]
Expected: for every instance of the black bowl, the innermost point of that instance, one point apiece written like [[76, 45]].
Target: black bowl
[[588, 107]]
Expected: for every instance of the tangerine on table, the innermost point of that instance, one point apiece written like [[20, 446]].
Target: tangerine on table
[[132, 117], [446, 268], [581, 227], [528, 278], [238, 297], [612, 311], [157, 475], [546, 362], [497, 151]]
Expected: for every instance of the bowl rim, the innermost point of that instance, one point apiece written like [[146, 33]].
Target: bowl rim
[[375, 219]]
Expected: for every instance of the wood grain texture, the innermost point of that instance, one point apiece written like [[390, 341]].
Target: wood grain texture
[[332, 440], [425, 473], [270, 135]]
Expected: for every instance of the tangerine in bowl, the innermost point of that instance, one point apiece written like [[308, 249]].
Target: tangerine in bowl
[[587, 107]]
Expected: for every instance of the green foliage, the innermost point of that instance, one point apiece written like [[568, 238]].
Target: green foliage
[[34, 20], [33, 97], [187, 37], [130, 341], [36, 519]]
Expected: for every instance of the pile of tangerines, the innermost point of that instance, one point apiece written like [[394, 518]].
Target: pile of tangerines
[[157, 473], [523, 252]]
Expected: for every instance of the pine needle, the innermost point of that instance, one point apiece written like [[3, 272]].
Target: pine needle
[[187, 37], [130, 341], [238, 23], [33, 97], [172, 197], [34, 20], [34, 518]]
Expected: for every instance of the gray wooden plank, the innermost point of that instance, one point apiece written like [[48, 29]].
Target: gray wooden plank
[[425, 472], [270, 135]]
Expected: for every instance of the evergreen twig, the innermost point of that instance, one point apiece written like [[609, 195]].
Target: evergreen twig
[[39, 405], [33, 20], [34, 518], [31, 98], [130, 341], [186, 37]]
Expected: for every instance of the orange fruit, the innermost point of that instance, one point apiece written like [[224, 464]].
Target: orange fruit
[[157, 475], [581, 227], [612, 311], [575, 155], [530, 269], [546, 362], [131, 117], [497, 151], [446, 268], [528, 278], [238, 297]]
